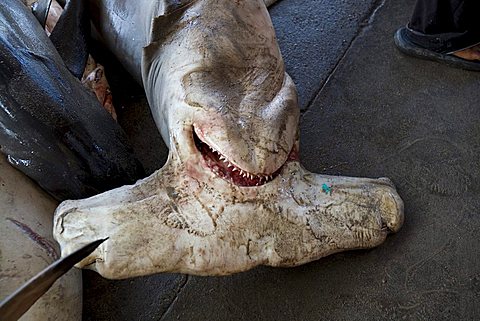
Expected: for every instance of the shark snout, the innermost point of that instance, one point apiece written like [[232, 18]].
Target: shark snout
[[257, 150], [256, 137]]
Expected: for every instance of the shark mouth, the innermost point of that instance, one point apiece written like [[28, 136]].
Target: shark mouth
[[227, 170]]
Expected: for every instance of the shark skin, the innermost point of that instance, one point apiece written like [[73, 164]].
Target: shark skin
[[232, 194]]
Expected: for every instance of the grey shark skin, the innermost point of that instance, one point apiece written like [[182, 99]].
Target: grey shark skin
[[51, 127], [232, 194]]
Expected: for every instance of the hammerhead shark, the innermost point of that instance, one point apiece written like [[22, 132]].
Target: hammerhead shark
[[232, 194]]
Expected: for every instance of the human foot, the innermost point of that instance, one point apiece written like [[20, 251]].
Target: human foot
[[472, 53], [468, 59]]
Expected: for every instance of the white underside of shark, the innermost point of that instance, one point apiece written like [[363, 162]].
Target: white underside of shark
[[232, 194]]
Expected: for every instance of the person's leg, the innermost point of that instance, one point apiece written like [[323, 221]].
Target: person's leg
[[472, 53], [445, 26], [432, 17], [445, 31]]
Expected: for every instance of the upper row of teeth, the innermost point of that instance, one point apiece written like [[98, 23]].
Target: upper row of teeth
[[242, 172]]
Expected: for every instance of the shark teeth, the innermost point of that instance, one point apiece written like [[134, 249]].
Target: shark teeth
[[257, 179]]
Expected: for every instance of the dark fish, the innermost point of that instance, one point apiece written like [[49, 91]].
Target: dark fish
[[51, 127]]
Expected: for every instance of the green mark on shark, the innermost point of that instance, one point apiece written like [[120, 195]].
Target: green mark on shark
[[327, 189]]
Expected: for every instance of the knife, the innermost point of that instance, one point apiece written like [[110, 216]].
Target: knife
[[15, 305]]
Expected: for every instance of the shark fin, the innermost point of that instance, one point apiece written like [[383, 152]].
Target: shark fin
[[40, 10], [71, 36]]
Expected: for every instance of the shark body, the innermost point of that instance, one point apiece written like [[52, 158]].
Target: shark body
[[232, 194]]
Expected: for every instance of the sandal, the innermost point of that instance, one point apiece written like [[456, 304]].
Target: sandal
[[405, 45]]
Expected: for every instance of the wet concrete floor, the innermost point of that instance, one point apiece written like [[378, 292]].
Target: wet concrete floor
[[367, 110]]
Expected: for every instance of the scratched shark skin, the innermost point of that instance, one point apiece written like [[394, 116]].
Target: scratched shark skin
[[232, 194]]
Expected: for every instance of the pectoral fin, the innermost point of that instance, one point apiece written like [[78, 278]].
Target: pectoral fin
[[71, 36]]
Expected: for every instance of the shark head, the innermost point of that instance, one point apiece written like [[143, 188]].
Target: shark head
[[216, 83], [244, 135]]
